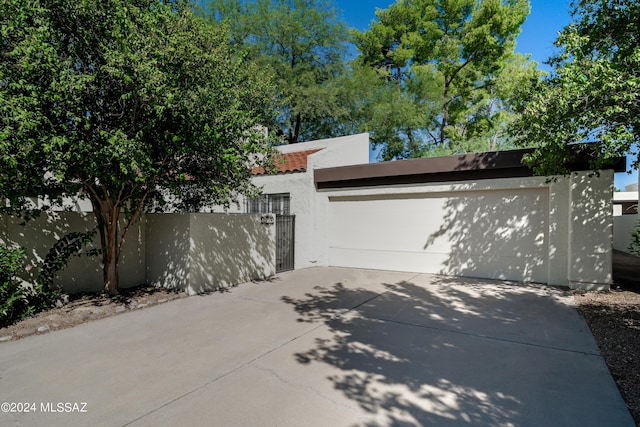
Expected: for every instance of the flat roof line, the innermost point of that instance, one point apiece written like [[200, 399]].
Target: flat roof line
[[499, 164]]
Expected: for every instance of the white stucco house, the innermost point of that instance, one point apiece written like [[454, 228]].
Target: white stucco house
[[478, 215], [475, 215], [294, 183]]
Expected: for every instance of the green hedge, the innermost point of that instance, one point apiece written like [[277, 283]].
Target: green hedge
[[14, 301]]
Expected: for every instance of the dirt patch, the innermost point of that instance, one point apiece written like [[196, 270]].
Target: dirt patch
[[614, 319], [84, 308]]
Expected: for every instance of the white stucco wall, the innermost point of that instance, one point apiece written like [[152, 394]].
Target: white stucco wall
[[193, 252], [623, 227], [167, 261], [591, 230], [82, 273], [226, 250], [527, 229], [203, 252], [343, 151], [300, 188]]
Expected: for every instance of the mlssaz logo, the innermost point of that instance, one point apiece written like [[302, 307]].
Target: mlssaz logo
[[66, 407]]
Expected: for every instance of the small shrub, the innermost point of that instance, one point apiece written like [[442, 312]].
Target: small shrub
[[634, 246], [18, 301], [14, 303]]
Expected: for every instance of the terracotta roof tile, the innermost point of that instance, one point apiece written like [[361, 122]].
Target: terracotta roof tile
[[288, 163]]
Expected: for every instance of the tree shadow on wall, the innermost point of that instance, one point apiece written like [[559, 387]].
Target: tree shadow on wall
[[492, 234], [525, 233], [230, 250], [404, 357], [81, 273], [591, 222], [205, 252]]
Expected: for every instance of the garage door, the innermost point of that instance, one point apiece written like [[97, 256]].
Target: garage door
[[493, 234]]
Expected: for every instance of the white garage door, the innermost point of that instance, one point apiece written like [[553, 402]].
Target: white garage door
[[492, 234]]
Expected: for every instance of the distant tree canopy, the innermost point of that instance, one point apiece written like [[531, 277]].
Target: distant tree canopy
[[133, 104], [441, 75], [593, 93], [303, 42]]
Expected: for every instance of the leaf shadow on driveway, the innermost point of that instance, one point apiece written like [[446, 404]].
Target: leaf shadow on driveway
[[443, 354]]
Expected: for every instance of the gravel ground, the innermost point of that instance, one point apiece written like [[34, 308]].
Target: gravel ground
[[84, 308], [614, 319]]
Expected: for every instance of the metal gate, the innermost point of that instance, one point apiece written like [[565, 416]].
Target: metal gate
[[285, 239]]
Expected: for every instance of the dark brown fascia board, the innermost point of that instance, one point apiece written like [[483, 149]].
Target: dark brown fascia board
[[465, 167]]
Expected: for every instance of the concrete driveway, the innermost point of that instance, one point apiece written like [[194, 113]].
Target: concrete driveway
[[323, 347]]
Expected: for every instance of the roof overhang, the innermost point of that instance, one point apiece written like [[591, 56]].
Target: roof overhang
[[465, 167]]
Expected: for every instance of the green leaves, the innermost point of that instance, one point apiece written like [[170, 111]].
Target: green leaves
[[451, 62], [138, 104], [303, 43], [593, 92], [14, 304]]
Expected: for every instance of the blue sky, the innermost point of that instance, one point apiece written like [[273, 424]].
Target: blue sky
[[537, 36]]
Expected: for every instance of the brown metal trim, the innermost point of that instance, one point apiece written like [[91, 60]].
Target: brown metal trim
[[466, 167]]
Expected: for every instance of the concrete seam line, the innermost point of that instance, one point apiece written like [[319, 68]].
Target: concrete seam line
[[486, 337], [352, 308], [311, 389], [250, 362], [370, 299], [219, 377]]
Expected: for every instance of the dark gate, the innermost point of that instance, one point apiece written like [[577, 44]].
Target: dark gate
[[285, 238]]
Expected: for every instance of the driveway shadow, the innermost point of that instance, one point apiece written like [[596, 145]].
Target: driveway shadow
[[450, 354]]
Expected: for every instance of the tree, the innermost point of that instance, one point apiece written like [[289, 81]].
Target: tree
[[593, 93], [304, 43], [134, 104], [447, 68]]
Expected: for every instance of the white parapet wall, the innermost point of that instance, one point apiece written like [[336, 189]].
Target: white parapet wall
[[625, 219], [590, 253], [623, 227], [191, 252], [204, 252]]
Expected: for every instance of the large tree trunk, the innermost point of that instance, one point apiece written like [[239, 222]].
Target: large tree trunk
[[111, 256], [111, 276], [107, 215]]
